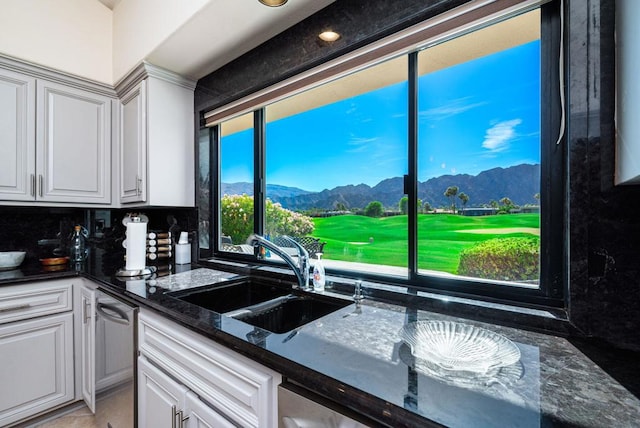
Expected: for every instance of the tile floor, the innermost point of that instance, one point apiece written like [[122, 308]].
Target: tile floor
[[114, 410]]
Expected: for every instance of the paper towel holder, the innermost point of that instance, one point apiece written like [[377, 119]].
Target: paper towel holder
[[134, 273]]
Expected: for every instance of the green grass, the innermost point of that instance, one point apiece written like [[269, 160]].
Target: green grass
[[440, 239]]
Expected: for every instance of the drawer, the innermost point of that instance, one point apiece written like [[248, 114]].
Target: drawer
[[34, 299], [242, 389]]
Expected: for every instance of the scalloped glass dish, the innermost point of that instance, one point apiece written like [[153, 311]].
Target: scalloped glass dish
[[459, 347]]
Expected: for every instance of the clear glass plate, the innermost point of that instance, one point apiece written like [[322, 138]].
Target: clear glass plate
[[458, 346]]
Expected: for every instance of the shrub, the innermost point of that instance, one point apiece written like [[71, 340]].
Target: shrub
[[281, 221], [507, 259], [374, 209], [237, 219]]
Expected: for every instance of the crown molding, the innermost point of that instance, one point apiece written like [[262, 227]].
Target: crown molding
[[144, 70], [68, 79]]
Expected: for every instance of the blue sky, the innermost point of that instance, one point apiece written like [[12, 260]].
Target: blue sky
[[472, 117]]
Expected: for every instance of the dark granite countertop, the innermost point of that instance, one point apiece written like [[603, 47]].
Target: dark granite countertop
[[356, 357]]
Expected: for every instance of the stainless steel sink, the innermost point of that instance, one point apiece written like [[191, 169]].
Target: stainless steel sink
[[262, 304]]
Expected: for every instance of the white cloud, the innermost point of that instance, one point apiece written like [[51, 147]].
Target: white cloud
[[443, 165], [359, 144], [499, 136], [453, 108]]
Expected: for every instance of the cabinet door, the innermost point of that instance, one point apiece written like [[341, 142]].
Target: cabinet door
[[36, 366], [17, 136], [88, 348], [133, 145], [160, 398], [200, 415], [73, 145]]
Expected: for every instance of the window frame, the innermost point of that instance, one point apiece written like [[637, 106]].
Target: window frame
[[553, 274]]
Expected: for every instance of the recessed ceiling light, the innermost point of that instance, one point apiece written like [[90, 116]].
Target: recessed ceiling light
[[273, 3], [329, 36]]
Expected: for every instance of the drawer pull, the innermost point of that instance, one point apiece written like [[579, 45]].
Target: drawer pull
[[15, 308]]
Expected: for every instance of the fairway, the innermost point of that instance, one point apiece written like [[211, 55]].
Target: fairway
[[441, 237]]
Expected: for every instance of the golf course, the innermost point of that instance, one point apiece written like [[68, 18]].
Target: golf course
[[441, 237]]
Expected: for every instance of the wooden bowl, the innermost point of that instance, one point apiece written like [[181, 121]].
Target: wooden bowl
[[54, 261]]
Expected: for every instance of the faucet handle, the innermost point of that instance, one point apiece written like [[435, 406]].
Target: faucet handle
[[357, 296]]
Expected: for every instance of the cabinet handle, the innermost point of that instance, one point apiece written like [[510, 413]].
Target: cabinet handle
[[182, 418], [138, 185], [86, 315], [40, 179], [15, 308], [174, 413], [33, 185]]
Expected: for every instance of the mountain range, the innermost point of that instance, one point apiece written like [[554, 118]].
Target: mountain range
[[519, 183]]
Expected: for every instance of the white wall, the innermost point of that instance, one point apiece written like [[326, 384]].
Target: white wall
[[74, 36], [139, 26]]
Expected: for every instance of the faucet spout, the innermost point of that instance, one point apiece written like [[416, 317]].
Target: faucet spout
[[301, 269]]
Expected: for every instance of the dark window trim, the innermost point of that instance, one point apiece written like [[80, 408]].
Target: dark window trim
[[553, 253]]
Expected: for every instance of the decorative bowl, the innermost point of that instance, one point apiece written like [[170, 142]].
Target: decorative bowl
[[459, 347], [10, 260]]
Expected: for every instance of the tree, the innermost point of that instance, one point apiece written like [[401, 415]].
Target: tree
[[404, 205], [537, 197], [374, 209], [507, 205], [451, 193], [506, 201], [426, 207], [464, 198], [493, 204]]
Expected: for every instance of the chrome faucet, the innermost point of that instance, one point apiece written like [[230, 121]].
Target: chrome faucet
[[301, 269]]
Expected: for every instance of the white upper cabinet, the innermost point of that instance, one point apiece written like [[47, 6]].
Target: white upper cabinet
[[55, 137], [133, 146], [156, 141], [73, 145], [17, 136]]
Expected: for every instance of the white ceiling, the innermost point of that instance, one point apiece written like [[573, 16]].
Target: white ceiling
[[110, 3], [224, 30]]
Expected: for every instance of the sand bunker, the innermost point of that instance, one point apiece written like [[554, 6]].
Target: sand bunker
[[503, 231]]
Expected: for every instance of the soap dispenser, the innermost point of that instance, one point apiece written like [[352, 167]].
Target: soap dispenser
[[318, 274]]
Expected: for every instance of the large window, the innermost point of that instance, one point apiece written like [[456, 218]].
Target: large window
[[479, 154], [432, 168], [336, 155], [236, 183]]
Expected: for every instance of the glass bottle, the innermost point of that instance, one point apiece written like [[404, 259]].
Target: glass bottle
[[318, 274], [78, 245]]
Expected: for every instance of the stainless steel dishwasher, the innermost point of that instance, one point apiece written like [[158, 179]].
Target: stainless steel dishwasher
[[299, 408], [114, 361]]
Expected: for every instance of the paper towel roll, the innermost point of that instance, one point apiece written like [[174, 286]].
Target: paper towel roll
[[136, 245]]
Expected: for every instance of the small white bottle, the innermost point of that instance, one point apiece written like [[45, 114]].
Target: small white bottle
[[318, 274], [183, 249]]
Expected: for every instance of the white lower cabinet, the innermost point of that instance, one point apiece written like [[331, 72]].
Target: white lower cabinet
[[209, 385], [163, 402], [36, 366]]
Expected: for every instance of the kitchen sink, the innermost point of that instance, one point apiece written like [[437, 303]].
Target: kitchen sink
[[262, 304], [286, 313], [232, 295]]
